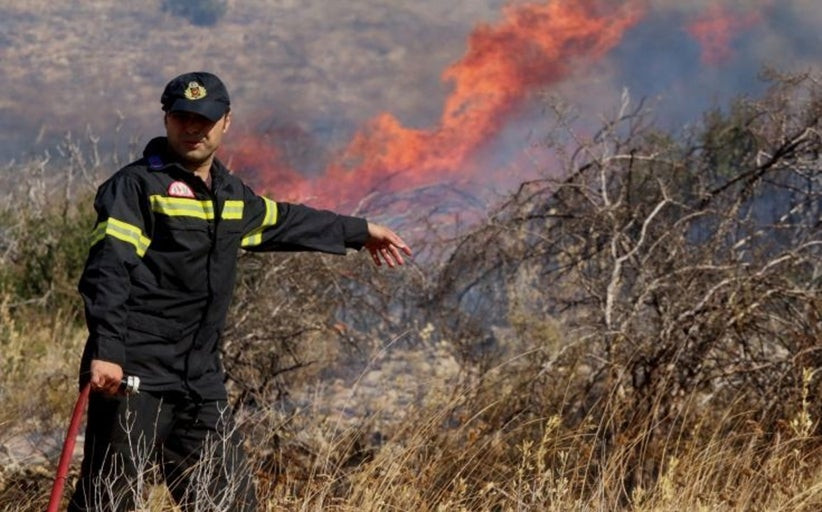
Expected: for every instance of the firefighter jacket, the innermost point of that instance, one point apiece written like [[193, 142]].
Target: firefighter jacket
[[161, 268]]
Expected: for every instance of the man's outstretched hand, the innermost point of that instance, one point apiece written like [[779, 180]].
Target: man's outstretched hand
[[385, 245]]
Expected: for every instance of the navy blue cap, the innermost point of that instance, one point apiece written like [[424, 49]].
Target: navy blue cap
[[198, 92]]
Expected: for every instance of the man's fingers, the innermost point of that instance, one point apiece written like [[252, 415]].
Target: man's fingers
[[395, 253], [387, 256], [398, 244], [391, 255], [385, 245], [106, 385], [105, 376]]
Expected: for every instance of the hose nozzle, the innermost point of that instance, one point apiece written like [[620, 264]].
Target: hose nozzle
[[130, 385]]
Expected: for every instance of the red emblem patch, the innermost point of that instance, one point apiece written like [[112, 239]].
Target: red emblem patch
[[180, 189]]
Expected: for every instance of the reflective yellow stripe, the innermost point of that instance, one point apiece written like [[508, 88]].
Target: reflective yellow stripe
[[182, 207], [233, 210], [124, 231], [255, 237]]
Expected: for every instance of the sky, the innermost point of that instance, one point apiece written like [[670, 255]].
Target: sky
[[334, 102]]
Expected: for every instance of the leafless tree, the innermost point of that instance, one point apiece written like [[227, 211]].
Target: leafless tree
[[682, 271]]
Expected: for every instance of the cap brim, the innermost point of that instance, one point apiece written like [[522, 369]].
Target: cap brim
[[212, 110]]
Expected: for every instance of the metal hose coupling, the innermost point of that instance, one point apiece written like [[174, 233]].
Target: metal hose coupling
[[130, 385]]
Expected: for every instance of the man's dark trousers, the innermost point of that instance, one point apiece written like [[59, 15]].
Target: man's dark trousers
[[192, 442]]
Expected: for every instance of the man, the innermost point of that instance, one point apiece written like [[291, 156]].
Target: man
[[157, 286]]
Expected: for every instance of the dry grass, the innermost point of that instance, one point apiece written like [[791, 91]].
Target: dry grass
[[433, 459], [462, 446], [40, 354], [465, 450]]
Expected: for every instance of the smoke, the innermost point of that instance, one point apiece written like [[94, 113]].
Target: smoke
[[534, 45], [336, 101], [717, 28], [689, 55]]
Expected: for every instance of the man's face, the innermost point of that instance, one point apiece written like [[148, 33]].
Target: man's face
[[193, 137]]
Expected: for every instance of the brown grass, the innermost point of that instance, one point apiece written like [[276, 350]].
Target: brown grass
[[460, 448]]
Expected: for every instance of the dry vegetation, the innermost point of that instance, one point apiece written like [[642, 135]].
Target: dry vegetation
[[641, 335]]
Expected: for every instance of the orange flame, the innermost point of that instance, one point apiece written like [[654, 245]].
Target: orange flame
[[250, 151], [534, 45], [717, 29]]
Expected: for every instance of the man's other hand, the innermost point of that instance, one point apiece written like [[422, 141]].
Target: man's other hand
[[385, 245], [106, 377]]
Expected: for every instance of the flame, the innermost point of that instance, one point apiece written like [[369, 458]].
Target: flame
[[717, 29], [250, 151], [532, 46]]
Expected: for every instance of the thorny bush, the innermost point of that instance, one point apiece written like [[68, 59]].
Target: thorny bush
[[657, 277]]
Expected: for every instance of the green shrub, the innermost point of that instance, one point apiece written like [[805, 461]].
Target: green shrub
[[45, 257]]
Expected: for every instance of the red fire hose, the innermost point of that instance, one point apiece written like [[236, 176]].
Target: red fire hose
[[129, 385], [68, 448]]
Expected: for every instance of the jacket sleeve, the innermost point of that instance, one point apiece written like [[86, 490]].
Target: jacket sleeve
[[118, 242], [276, 226]]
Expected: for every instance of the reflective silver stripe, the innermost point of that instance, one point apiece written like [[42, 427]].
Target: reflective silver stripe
[[232, 210], [182, 207], [255, 237], [124, 231]]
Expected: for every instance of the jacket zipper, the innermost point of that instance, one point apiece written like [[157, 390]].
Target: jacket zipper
[[212, 235]]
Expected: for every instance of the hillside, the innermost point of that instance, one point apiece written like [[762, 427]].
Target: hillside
[[308, 77], [333, 64]]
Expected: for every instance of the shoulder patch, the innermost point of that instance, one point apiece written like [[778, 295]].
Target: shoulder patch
[[180, 189], [155, 162]]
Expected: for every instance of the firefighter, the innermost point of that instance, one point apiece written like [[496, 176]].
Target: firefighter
[[156, 287]]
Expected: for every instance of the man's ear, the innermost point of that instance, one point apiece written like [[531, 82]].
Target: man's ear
[[226, 121]]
